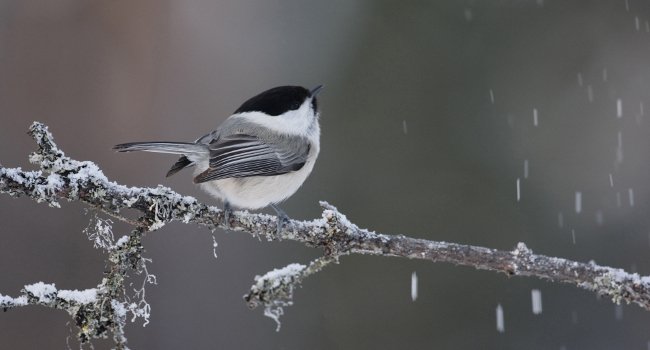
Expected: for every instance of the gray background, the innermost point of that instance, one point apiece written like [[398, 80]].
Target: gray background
[[105, 72]]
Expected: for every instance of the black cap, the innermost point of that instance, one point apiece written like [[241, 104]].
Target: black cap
[[278, 100]]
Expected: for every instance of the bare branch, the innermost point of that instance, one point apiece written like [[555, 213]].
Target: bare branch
[[62, 178]]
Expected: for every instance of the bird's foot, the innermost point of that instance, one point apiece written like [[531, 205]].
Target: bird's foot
[[227, 213], [283, 219]]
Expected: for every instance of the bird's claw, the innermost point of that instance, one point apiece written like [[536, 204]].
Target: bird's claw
[[227, 214], [283, 220]]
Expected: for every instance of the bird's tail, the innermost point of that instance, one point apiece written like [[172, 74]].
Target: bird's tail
[[187, 148]]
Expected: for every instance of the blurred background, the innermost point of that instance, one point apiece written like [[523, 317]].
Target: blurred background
[[432, 113]]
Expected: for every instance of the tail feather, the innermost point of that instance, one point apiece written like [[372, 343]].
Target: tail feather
[[161, 147], [182, 163]]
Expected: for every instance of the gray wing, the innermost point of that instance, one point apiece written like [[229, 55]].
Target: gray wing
[[184, 162], [243, 155]]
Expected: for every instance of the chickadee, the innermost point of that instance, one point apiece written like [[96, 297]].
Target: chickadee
[[259, 156]]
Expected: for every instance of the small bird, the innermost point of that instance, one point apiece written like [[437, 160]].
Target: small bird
[[259, 156]]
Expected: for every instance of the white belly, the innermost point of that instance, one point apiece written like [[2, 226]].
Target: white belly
[[257, 192]]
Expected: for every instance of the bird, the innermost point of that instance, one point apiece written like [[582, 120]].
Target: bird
[[258, 157]]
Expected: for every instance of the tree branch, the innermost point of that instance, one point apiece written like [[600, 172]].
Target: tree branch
[[62, 178]]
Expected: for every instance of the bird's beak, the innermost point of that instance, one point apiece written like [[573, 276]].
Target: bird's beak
[[315, 91]]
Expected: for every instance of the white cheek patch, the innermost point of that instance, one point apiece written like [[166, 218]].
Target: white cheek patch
[[296, 122]]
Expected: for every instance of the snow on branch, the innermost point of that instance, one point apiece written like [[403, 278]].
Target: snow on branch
[[148, 209]]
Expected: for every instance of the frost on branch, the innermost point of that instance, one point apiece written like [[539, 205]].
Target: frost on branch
[[105, 309], [275, 290], [47, 294]]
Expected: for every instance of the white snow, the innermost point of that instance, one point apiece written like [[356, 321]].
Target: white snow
[[573, 236], [525, 168], [578, 201], [122, 241], [518, 190], [4, 299], [85, 296], [611, 180], [214, 246], [536, 296], [9, 301], [521, 248], [88, 171], [14, 174], [188, 200], [619, 108], [120, 309], [560, 220], [405, 127], [491, 96], [44, 292], [54, 181], [157, 225], [580, 79], [129, 202], [278, 276], [630, 193], [500, 322], [414, 286], [535, 117], [328, 214]]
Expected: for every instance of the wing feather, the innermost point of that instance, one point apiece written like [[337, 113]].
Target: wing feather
[[243, 155]]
